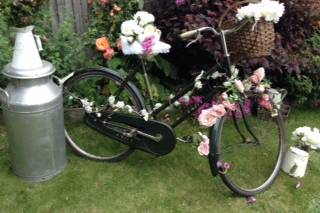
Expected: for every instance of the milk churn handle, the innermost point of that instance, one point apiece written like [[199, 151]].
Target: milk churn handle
[[4, 97], [38, 42], [57, 80]]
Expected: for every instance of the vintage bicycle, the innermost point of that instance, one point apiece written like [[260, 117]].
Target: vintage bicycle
[[97, 130]]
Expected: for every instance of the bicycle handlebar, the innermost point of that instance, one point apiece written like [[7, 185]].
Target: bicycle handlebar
[[192, 33]]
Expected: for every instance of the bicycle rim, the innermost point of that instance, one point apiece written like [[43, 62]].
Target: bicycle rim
[[247, 167]]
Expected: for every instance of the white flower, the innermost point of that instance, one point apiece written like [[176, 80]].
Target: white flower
[[239, 86], [157, 106], [70, 97], [130, 48], [299, 132], [171, 96], [98, 114], [129, 39], [129, 108], [313, 140], [176, 103], [198, 85], [128, 27], [145, 114], [309, 137], [216, 75], [186, 98], [160, 47], [111, 100], [199, 77], [267, 9], [120, 105], [143, 18], [88, 109], [234, 71]]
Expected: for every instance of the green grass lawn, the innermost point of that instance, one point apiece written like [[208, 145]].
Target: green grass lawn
[[179, 182]]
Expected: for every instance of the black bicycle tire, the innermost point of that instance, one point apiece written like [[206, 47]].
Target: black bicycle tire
[[215, 146], [104, 72]]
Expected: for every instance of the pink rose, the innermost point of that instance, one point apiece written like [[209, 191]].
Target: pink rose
[[265, 97], [204, 148], [255, 79], [224, 96], [108, 54], [207, 118], [229, 106], [219, 110], [260, 73], [266, 104], [239, 86]]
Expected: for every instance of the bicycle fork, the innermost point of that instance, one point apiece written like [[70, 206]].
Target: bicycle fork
[[228, 61]]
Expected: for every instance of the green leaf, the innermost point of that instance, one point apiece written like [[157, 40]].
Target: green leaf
[[141, 4], [115, 63], [168, 68]]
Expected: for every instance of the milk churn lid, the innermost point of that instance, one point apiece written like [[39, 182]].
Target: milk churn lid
[[46, 70]]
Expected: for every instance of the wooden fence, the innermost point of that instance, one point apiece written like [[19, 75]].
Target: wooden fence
[[77, 10]]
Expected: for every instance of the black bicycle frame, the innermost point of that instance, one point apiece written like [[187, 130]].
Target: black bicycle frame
[[188, 88]]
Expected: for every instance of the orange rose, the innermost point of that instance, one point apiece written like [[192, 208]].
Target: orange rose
[[102, 44], [108, 54]]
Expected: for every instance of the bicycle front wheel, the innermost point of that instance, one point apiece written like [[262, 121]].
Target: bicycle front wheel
[[83, 94], [248, 150]]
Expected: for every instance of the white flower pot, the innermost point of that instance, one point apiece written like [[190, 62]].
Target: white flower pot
[[295, 162]]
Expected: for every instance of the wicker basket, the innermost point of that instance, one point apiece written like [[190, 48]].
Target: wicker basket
[[252, 41]]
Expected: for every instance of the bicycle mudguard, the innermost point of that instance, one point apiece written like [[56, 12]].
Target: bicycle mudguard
[[106, 125], [214, 155]]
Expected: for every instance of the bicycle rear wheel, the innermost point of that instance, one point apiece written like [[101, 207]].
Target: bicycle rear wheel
[[95, 86], [248, 166]]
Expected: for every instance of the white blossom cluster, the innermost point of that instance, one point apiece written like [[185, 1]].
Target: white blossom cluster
[[267, 9], [121, 106], [307, 137], [136, 32]]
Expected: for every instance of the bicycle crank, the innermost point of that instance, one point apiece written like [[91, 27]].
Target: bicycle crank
[[151, 136]]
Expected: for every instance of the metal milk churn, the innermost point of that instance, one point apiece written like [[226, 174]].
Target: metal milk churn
[[33, 113]]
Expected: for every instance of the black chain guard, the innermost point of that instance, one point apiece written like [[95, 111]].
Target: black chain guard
[[150, 127]]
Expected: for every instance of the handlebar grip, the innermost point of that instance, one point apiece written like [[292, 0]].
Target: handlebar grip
[[189, 34]]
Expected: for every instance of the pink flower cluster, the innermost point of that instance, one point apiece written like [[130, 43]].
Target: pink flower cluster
[[209, 117], [226, 103], [147, 45], [256, 79]]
